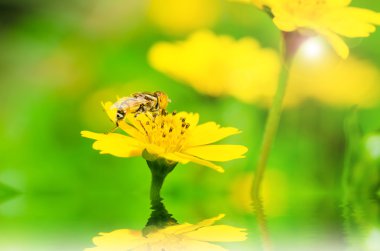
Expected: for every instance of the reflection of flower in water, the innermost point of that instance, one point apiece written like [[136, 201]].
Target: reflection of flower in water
[[274, 193], [178, 237], [219, 65], [176, 137], [361, 184], [329, 18], [178, 17]]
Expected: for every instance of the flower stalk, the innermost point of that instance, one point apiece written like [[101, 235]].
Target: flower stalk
[[160, 217], [159, 169], [270, 131], [292, 42]]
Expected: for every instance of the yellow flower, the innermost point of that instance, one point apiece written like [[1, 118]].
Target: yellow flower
[[336, 82], [220, 65], [179, 237], [176, 137], [328, 18], [179, 17]]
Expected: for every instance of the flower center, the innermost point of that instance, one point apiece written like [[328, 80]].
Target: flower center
[[168, 130]]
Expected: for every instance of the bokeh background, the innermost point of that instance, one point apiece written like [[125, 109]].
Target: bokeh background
[[60, 59]]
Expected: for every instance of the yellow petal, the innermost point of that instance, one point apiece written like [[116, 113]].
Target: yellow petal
[[175, 158], [200, 161], [114, 144], [218, 233], [283, 20], [132, 131], [187, 227], [217, 152], [155, 150], [111, 112], [209, 222], [351, 22], [178, 229], [209, 133], [336, 42], [122, 239]]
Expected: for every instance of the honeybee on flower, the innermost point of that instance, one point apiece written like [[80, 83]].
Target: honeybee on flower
[[141, 102]]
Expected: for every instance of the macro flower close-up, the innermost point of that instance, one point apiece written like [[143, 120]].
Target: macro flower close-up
[[184, 236], [332, 19], [122, 121], [176, 137]]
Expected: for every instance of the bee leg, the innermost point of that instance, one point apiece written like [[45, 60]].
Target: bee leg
[[141, 108], [116, 126], [114, 129], [149, 116]]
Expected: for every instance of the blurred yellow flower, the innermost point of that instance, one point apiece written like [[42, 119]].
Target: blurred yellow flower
[[176, 137], [220, 65], [180, 17], [336, 82], [329, 18], [243, 69], [179, 237]]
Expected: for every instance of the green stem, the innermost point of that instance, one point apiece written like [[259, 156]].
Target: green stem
[[262, 223], [292, 42], [155, 187], [159, 218], [270, 130], [159, 169]]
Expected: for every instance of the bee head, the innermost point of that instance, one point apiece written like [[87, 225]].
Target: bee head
[[163, 99]]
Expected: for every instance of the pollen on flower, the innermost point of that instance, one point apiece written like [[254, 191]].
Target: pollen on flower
[[168, 131]]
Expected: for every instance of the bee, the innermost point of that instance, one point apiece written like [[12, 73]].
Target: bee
[[141, 102]]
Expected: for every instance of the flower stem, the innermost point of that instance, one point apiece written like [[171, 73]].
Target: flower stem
[[258, 209], [270, 130], [159, 217], [159, 169], [291, 43], [155, 187]]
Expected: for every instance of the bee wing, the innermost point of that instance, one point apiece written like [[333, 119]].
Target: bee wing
[[136, 102], [141, 94], [149, 96], [127, 103], [122, 103]]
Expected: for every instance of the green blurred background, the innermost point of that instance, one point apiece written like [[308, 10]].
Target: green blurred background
[[60, 59]]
